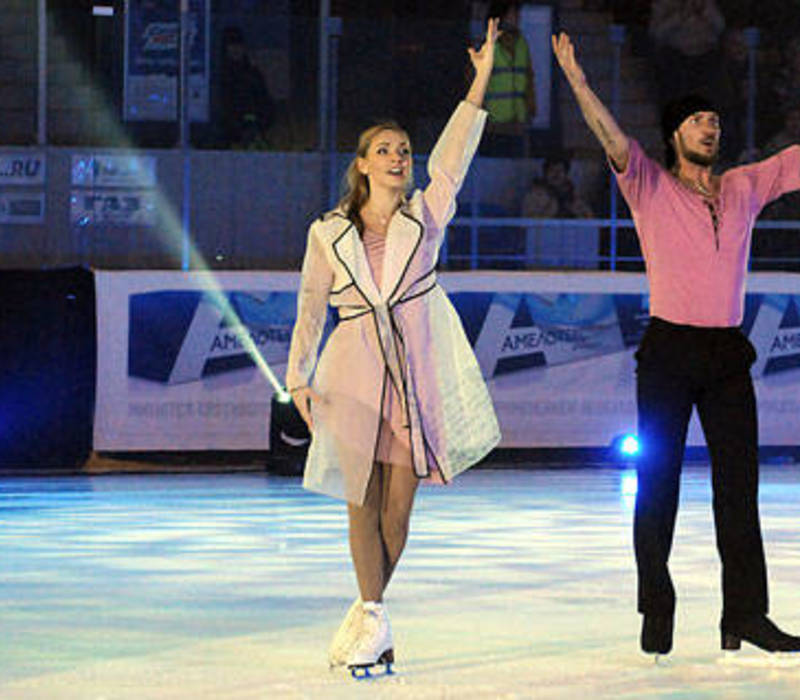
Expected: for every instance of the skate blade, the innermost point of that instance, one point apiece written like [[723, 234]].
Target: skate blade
[[365, 671]]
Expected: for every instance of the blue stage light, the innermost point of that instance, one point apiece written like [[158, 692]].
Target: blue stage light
[[629, 446]]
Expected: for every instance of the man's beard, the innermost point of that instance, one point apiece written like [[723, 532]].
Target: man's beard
[[698, 158]]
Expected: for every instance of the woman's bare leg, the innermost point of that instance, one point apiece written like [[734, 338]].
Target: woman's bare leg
[[379, 527], [366, 543], [399, 488]]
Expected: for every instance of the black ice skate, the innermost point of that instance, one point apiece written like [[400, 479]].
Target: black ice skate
[[759, 631], [656, 635]]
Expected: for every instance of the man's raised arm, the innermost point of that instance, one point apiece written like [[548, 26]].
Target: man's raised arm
[[605, 127]]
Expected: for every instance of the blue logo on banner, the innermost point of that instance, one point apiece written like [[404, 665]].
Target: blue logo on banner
[[773, 326], [183, 336], [512, 332]]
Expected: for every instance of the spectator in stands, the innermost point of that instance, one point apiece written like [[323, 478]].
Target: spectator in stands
[[511, 96], [687, 35], [554, 196], [247, 107]]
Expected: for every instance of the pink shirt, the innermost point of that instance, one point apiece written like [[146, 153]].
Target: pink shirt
[[697, 274]]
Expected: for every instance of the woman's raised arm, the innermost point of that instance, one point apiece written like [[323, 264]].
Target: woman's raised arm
[[456, 146], [483, 62]]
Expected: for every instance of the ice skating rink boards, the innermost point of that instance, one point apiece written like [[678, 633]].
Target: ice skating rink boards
[[515, 584]]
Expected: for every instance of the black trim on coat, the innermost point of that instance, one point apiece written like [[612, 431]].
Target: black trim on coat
[[356, 315], [339, 291], [366, 299], [344, 264], [420, 236], [417, 295], [396, 334], [383, 353]]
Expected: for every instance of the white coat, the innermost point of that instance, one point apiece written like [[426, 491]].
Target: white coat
[[406, 332]]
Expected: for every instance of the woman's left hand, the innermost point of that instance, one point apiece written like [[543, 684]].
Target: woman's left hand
[[483, 58]]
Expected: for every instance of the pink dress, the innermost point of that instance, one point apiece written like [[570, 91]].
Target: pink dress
[[394, 442]]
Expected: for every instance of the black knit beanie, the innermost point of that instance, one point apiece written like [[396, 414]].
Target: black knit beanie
[[674, 114]]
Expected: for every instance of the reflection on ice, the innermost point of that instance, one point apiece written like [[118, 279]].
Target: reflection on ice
[[514, 584], [628, 486]]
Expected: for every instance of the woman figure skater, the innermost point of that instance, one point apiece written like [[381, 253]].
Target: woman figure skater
[[396, 394]]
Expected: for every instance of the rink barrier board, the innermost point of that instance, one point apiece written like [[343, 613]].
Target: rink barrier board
[[556, 350]]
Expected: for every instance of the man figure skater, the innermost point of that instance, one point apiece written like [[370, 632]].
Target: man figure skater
[[694, 228]]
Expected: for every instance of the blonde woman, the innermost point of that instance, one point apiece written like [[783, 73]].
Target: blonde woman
[[396, 394]]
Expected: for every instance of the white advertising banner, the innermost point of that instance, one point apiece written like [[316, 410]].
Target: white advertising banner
[[556, 350], [172, 370]]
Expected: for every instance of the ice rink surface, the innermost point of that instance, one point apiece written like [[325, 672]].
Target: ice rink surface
[[514, 584]]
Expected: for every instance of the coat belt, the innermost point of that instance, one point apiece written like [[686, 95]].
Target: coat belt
[[388, 333]]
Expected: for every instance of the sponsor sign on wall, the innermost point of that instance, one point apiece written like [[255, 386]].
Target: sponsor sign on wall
[[152, 33], [103, 170], [113, 208], [22, 179], [556, 350], [21, 207], [113, 190], [22, 168]]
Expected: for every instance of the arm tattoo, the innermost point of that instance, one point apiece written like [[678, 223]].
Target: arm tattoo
[[605, 138]]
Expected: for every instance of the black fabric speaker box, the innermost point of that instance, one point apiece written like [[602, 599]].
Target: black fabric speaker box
[[47, 368], [288, 438]]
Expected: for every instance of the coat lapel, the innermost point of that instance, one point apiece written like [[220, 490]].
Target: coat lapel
[[402, 240], [349, 249]]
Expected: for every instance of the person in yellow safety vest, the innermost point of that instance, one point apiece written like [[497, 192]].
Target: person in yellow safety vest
[[510, 96]]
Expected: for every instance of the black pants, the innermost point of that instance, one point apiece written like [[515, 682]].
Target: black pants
[[679, 367]]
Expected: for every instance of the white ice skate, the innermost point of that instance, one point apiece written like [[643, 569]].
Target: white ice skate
[[374, 644], [346, 636]]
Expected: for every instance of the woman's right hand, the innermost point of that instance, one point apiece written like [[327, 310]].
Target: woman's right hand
[[483, 58], [302, 397]]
